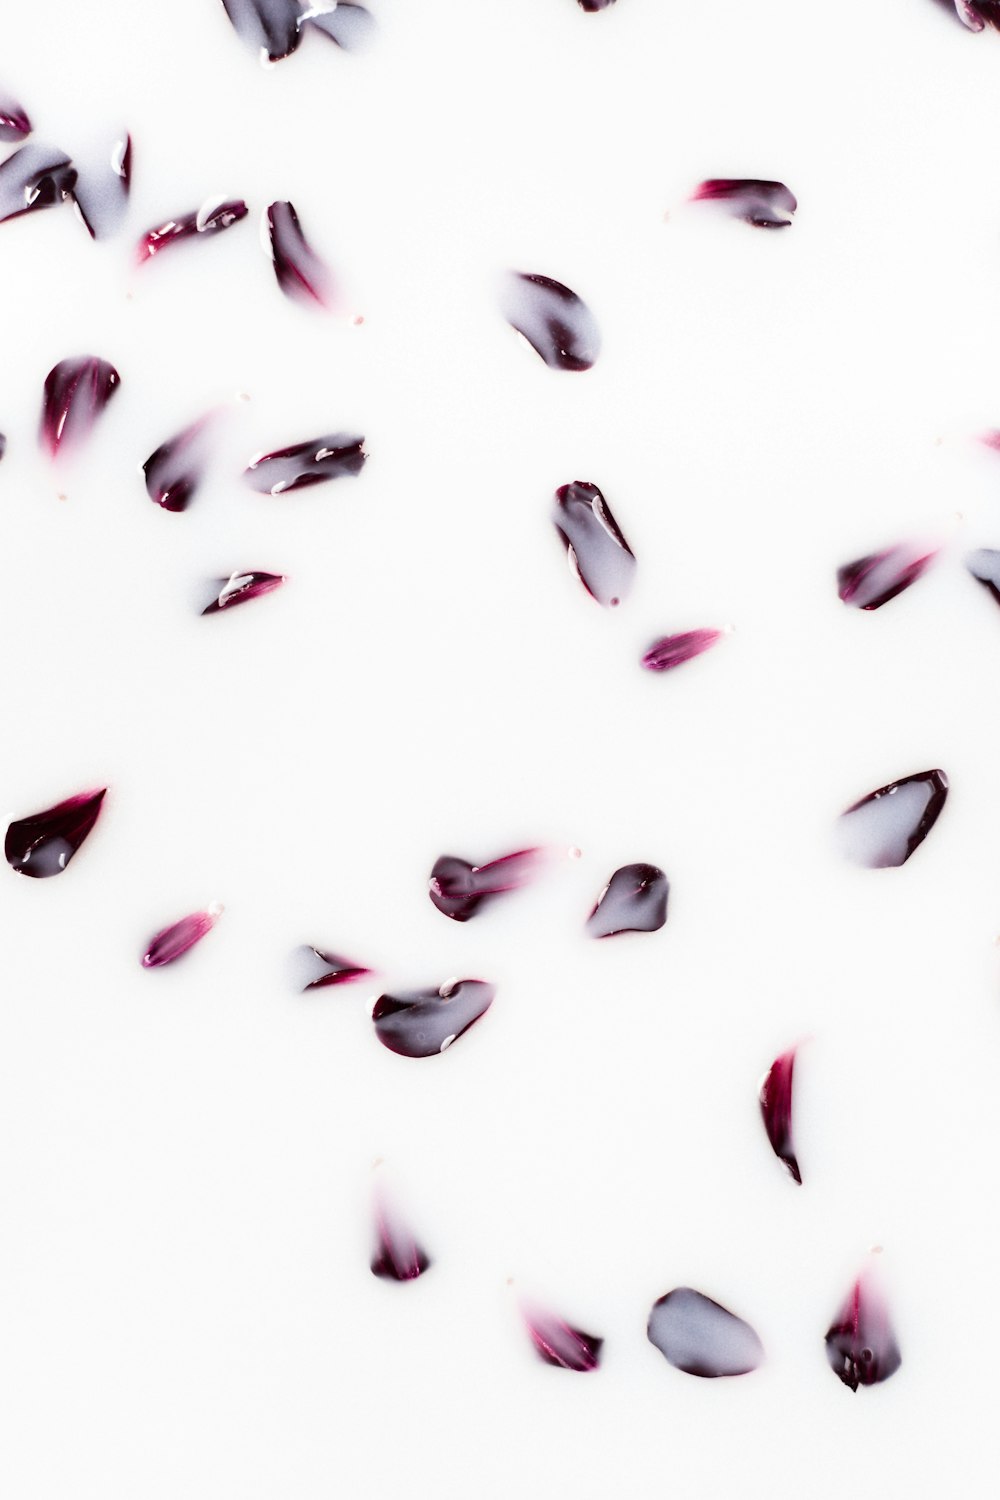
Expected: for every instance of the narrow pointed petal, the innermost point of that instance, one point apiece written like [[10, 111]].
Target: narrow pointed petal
[[861, 1343], [351, 26], [422, 1023], [700, 1337], [559, 1343], [34, 177], [984, 565], [299, 271], [765, 205], [337, 456], [14, 122], [776, 1109], [44, 843], [270, 27], [459, 889], [977, 14], [598, 553], [869, 582], [76, 392], [174, 470], [339, 971], [558, 324], [884, 828], [674, 650], [213, 217], [177, 939], [398, 1254], [634, 900], [102, 195], [239, 588]]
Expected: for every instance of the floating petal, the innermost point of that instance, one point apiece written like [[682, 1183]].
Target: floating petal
[[598, 553], [270, 27], [213, 217], [765, 205], [3, 444], [634, 900], [422, 1023], [595, 5], [558, 324], [458, 888], [34, 177], [977, 14], [76, 392], [559, 1343], [44, 843], [700, 1337], [174, 471], [333, 457], [861, 1344], [239, 588], [884, 828], [14, 122], [340, 971], [351, 26], [872, 581], [174, 941], [299, 271], [675, 650], [984, 565], [776, 1108], [398, 1255], [102, 195]]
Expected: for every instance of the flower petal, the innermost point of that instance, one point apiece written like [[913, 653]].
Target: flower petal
[[869, 582], [239, 588], [270, 27], [14, 122], [700, 1337], [101, 196], [458, 888], [332, 457], [977, 14], [34, 177], [422, 1023], [398, 1255], [174, 941], [595, 5], [43, 844], [776, 1108], [674, 650], [765, 205], [884, 828], [984, 565], [213, 217], [558, 324], [634, 900], [351, 26], [341, 971], [299, 271], [559, 1343], [861, 1343], [76, 392], [598, 553], [173, 471]]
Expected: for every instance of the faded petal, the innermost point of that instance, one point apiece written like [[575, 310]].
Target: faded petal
[[102, 195], [558, 324], [299, 271], [174, 941], [76, 392], [270, 27], [14, 122], [884, 828], [872, 581], [458, 888], [213, 217], [339, 971], [634, 900], [673, 650], [351, 26], [34, 177], [174, 470], [765, 205], [44, 843], [984, 565], [333, 457], [559, 1343], [598, 553], [776, 1108], [239, 588], [422, 1023], [861, 1343], [398, 1255], [700, 1337]]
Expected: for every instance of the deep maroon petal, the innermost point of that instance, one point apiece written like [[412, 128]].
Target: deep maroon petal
[[558, 324], [101, 194], [34, 177], [861, 1344], [634, 900], [776, 1108], [44, 843], [333, 457], [340, 971], [872, 581], [765, 205], [76, 392], [398, 1255], [14, 122], [174, 470], [458, 888], [213, 217], [559, 1343], [299, 271], [673, 650], [598, 553], [351, 26], [700, 1337], [977, 14], [984, 565], [239, 588], [174, 941], [884, 828], [422, 1023], [270, 27], [595, 5]]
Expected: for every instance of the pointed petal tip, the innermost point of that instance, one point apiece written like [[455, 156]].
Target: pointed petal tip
[[42, 844], [634, 900], [554, 320]]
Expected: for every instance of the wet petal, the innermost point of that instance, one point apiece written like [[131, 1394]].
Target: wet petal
[[14, 122], [558, 324], [398, 1255], [422, 1023], [44, 843], [559, 1343], [332, 457], [101, 195], [351, 26], [239, 588], [598, 553], [634, 900], [765, 205], [861, 1344], [984, 565], [299, 271], [872, 581], [595, 5], [213, 217], [884, 828], [700, 1337], [174, 941], [976, 14], [339, 971], [173, 471], [76, 392], [34, 177], [458, 888], [776, 1108], [270, 27], [674, 650]]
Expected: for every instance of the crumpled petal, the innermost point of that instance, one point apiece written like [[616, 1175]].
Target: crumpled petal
[[559, 1343], [634, 900], [861, 1343], [765, 205], [674, 650], [42, 844], [598, 553], [76, 392], [884, 828], [422, 1023], [239, 588], [776, 1109], [459, 889], [174, 941], [34, 177], [558, 324], [869, 582], [335, 456], [700, 1337], [213, 217]]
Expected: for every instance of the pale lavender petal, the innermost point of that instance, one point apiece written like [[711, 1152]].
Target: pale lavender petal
[[984, 565], [422, 1023], [213, 217], [299, 271], [459, 889], [43, 843], [598, 553], [34, 177], [869, 582], [239, 588], [101, 194], [559, 1343], [174, 941], [398, 1254], [270, 27], [765, 205], [884, 828], [673, 650], [336, 456], [701, 1337], [558, 324], [634, 900], [861, 1344], [174, 470], [339, 970], [76, 392], [351, 26], [776, 1108], [14, 122]]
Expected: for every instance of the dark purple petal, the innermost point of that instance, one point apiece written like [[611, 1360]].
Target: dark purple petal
[[299, 271], [698, 1336], [212, 218], [76, 392], [634, 900], [239, 588], [174, 941], [3, 444], [34, 177], [976, 14], [458, 888], [872, 581], [561, 1344], [333, 457], [776, 1108], [558, 324], [398, 1255], [884, 828], [674, 650], [595, 5], [984, 565], [102, 196], [598, 553], [44, 843], [861, 1344], [270, 27], [422, 1023], [765, 205], [174, 470], [340, 971], [350, 26], [14, 122]]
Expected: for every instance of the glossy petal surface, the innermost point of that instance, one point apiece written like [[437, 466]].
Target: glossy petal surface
[[765, 205], [240, 588], [340, 971], [674, 650], [459, 889], [776, 1109], [76, 392], [700, 1337], [336, 456], [43, 844], [299, 271], [884, 828], [634, 900], [558, 324], [270, 27], [102, 192], [977, 14], [34, 177], [422, 1023], [173, 471], [14, 122], [559, 1343], [212, 218], [597, 551], [174, 941], [861, 1344]]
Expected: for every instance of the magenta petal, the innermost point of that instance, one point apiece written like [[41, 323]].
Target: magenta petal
[[422, 1023], [765, 205], [14, 122], [270, 27], [174, 470], [299, 271], [212, 218], [634, 900], [76, 392], [861, 1343], [239, 588], [341, 971], [34, 177], [977, 14], [559, 1343], [674, 650], [984, 565], [598, 553], [776, 1108], [102, 196], [558, 324], [44, 843], [884, 828], [351, 26], [398, 1255], [872, 581], [700, 1337], [458, 888], [174, 941], [334, 457]]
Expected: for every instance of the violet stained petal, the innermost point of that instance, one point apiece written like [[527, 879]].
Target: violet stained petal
[[634, 900], [559, 1343], [458, 888], [700, 1337], [299, 271], [884, 828], [765, 205], [239, 588], [598, 553], [43, 844], [861, 1343], [674, 650], [174, 941], [173, 471], [869, 582], [76, 392], [337, 456], [270, 27], [350, 26], [558, 324], [34, 177], [398, 1254], [776, 1109], [977, 14], [213, 217], [984, 565], [422, 1023], [101, 196], [341, 971], [14, 122]]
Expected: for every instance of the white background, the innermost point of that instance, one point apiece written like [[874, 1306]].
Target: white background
[[186, 1156]]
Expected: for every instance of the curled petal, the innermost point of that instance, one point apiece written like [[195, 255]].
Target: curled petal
[[984, 565], [398, 1255], [299, 271], [14, 122], [101, 196], [422, 1023], [700, 1337], [270, 27], [558, 324], [174, 941], [174, 470], [213, 217], [674, 650], [634, 900], [76, 392], [977, 14], [872, 581], [333, 457], [598, 553], [339, 971], [458, 888], [351, 26], [861, 1343], [34, 177], [559, 1343], [776, 1108], [44, 843], [239, 588], [765, 205], [884, 828]]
